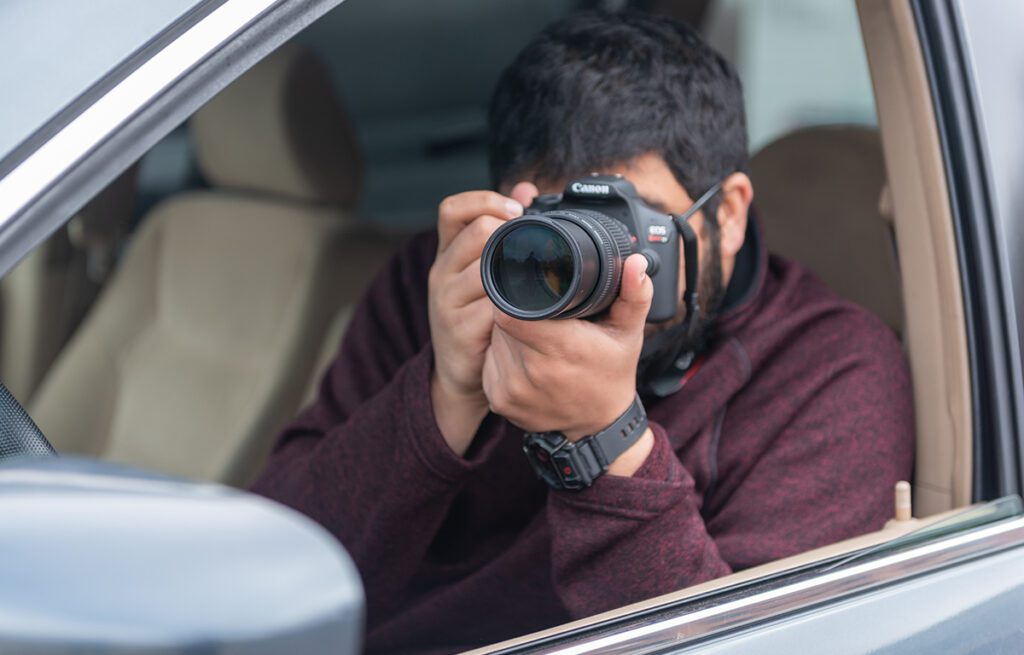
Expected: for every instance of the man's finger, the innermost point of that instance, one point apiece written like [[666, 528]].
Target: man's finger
[[467, 286], [629, 311], [468, 244], [545, 337], [524, 193], [456, 212], [475, 318], [498, 357]]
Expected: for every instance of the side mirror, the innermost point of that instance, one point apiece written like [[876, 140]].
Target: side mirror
[[99, 558]]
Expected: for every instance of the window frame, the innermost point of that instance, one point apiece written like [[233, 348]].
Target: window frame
[[993, 336], [72, 157], [738, 608]]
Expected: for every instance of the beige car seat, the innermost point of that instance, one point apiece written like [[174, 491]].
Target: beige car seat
[[202, 343], [820, 195], [45, 296], [824, 202], [362, 255]]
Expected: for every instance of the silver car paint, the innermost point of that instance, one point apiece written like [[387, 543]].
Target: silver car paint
[[99, 558]]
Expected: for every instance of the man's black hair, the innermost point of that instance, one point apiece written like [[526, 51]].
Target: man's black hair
[[597, 89]]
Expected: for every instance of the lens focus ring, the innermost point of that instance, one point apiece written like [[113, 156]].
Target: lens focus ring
[[615, 245]]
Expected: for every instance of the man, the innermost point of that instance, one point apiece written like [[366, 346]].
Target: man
[[785, 430]]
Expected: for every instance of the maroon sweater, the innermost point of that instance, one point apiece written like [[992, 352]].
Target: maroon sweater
[[789, 436]]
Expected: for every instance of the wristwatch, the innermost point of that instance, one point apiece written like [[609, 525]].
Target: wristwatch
[[564, 464]]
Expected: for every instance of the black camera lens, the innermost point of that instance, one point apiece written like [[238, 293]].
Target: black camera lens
[[557, 264], [533, 267]]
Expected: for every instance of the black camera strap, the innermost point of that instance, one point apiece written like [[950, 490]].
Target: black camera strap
[[672, 362], [690, 252]]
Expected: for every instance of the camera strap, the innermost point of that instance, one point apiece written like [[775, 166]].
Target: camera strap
[[669, 370], [690, 252]]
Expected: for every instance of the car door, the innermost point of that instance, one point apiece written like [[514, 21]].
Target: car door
[[965, 52]]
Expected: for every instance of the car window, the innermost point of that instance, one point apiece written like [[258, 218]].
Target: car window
[[53, 51], [961, 521]]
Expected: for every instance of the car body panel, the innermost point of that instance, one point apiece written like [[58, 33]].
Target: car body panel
[[963, 609], [103, 558]]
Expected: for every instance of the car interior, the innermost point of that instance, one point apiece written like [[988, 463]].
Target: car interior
[[189, 310]]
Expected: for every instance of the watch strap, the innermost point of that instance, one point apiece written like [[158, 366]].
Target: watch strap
[[567, 465], [606, 445]]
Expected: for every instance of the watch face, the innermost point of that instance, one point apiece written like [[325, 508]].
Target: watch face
[[554, 459]]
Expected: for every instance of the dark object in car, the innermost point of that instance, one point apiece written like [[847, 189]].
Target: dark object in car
[[19, 435]]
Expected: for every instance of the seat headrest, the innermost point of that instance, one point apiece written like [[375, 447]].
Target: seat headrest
[[280, 129], [818, 190]]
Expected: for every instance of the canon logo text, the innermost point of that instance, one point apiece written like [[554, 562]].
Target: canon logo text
[[580, 187]]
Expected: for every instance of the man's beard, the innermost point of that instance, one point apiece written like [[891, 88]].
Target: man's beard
[[666, 341]]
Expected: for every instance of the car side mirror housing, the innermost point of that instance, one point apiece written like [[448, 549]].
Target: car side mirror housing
[[99, 558]]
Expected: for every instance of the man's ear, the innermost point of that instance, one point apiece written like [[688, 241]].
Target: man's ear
[[737, 194]]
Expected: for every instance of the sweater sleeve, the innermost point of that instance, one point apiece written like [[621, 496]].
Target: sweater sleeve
[[628, 539], [366, 460], [825, 477]]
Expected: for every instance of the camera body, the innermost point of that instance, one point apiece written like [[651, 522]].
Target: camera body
[[563, 258]]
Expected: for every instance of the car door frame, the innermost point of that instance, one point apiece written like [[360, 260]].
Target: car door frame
[[54, 172], [992, 300], [793, 600]]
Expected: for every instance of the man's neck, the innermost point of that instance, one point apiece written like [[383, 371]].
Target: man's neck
[[744, 272]]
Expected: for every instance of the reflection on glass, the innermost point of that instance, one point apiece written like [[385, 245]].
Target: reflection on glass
[[967, 519], [533, 267]]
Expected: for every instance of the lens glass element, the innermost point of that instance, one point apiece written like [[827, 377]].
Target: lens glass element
[[532, 267]]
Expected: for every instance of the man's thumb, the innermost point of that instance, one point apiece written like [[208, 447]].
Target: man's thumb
[[629, 311]]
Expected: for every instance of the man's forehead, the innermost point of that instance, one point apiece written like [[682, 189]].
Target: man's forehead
[[654, 182]]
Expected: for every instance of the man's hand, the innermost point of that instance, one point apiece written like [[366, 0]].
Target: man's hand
[[461, 316], [572, 375]]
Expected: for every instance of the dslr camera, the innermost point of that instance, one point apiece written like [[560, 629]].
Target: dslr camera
[[563, 258]]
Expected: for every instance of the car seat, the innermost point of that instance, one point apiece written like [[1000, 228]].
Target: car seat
[[824, 202], [819, 192], [45, 296], [201, 345]]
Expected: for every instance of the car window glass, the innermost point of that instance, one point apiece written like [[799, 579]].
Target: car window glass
[[962, 521], [56, 50], [802, 62]]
